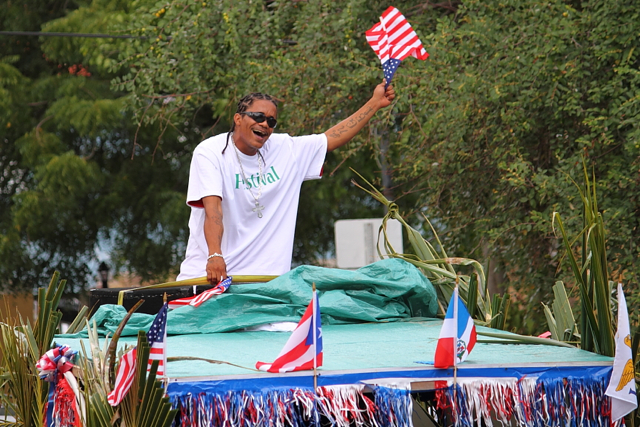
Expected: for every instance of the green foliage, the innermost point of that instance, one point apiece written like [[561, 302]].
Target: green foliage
[[439, 268], [25, 394], [591, 275], [143, 405], [21, 389], [560, 319], [515, 94], [481, 137], [146, 405], [69, 183]]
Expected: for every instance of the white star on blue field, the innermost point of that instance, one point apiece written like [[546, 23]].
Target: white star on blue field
[[390, 68]]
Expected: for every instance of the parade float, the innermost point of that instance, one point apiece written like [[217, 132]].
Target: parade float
[[380, 329]]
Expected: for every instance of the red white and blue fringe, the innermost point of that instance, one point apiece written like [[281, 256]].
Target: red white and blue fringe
[[340, 406], [527, 402]]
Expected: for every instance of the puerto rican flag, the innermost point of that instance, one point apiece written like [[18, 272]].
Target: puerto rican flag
[[457, 336], [303, 350], [393, 39]]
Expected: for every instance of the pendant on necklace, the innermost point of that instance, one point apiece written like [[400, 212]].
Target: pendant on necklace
[[258, 209]]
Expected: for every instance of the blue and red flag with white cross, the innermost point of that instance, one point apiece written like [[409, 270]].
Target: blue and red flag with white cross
[[457, 336]]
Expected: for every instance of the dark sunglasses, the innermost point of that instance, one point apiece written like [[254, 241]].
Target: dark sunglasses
[[261, 117]]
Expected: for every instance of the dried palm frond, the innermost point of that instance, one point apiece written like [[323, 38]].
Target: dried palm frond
[[439, 267]]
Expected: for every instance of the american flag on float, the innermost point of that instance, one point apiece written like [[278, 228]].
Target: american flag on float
[[124, 378], [393, 39], [457, 336], [157, 338], [303, 350], [196, 300]]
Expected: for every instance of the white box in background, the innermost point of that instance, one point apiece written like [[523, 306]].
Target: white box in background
[[356, 241]]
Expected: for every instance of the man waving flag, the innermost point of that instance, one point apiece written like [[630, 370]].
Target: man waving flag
[[393, 39]]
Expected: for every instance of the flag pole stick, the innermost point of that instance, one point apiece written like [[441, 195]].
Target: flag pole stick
[[313, 325], [455, 346], [455, 385], [164, 378]]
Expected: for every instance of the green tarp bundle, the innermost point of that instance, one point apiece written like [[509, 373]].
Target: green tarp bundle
[[388, 290]]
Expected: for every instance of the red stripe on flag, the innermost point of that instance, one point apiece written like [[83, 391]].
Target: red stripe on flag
[[393, 37], [444, 353], [297, 354], [157, 352], [124, 378], [292, 355]]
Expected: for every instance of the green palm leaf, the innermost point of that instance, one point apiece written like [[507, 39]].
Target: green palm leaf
[[591, 274], [436, 265]]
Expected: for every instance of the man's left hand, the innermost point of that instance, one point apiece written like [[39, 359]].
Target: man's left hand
[[383, 97]]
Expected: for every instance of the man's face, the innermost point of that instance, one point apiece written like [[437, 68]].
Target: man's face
[[249, 135]]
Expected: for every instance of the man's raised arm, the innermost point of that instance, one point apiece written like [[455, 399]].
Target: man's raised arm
[[342, 133]]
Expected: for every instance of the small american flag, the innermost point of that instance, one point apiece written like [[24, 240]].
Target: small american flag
[[393, 39], [124, 378], [157, 338], [196, 300]]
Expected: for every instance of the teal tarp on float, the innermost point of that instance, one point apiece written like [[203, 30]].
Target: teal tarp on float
[[385, 291]]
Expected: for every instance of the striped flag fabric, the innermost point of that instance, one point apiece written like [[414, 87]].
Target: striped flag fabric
[[457, 336], [303, 350], [196, 300], [393, 40], [157, 338], [124, 378], [622, 385]]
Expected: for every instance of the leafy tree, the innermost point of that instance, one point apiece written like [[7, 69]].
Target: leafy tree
[[69, 180], [519, 91], [484, 138], [20, 61], [80, 170]]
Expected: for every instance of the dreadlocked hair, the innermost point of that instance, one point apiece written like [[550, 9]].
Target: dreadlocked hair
[[245, 103]]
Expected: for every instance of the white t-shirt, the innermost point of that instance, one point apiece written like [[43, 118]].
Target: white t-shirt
[[250, 245]]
